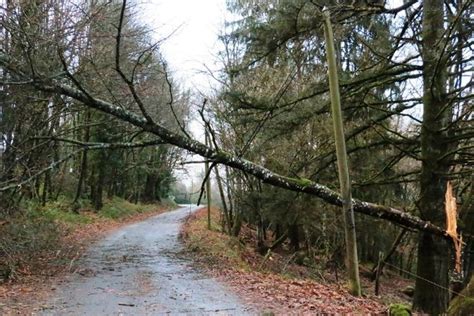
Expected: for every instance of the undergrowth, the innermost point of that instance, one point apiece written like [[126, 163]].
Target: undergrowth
[[25, 239], [237, 258], [212, 247], [119, 208], [36, 237], [216, 249]]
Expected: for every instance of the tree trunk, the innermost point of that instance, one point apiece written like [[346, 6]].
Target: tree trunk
[[226, 226], [433, 266], [230, 199], [149, 192], [431, 289], [99, 190], [46, 187], [261, 245], [294, 235], [83, 171], [97, 181], [352, 262], [467, 222], [208, 184]]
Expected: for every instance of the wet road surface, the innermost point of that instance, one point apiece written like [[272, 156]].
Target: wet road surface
[[134, 271]]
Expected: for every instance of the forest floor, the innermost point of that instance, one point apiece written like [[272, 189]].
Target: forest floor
[[36, 280], [274, 283]]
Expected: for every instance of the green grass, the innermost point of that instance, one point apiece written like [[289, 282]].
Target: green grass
[[56, 211], [116, 208], [61, 211], [399, 310], [66, 217], [37, 231]]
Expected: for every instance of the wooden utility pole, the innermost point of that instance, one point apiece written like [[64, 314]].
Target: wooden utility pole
[[208, 184], [352, 263]]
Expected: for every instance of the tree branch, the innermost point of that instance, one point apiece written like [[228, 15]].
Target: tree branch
[[219, 156], [38, 174], [129, 82], [90, 146]]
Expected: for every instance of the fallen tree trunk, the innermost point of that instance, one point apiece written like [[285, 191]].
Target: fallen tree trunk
[[267, 176], [219, 156]]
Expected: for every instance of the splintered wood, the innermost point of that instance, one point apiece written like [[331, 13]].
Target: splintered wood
[[451, 223]]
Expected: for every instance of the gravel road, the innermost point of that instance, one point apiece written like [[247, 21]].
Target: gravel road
[[134, 271]]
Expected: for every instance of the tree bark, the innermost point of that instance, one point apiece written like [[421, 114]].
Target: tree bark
[[294, 235], [46, 185], [83, 171], [149, 193], [230, 199], [431, 289], [467, 222], [97, 183], [208, 185], [227, 225]]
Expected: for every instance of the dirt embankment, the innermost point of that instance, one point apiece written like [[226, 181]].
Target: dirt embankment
[[273, 282]]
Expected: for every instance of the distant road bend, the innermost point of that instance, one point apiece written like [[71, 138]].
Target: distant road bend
[[134, 271]]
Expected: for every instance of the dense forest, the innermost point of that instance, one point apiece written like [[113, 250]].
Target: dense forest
[[89, 111]]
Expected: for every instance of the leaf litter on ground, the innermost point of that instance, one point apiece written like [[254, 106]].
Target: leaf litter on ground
[[261, 281]]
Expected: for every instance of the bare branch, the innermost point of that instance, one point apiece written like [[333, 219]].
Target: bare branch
[[170, 103], [93, 145], [41, 172], [207, 124], [129, 82], [203, 184]]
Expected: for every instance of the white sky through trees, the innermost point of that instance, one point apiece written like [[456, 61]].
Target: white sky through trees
[[191, 28]]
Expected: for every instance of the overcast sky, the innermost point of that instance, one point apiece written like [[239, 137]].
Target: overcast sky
[[194, 25]]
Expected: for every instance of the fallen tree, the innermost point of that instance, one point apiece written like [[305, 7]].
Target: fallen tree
[[66, 85], [219, 156]]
